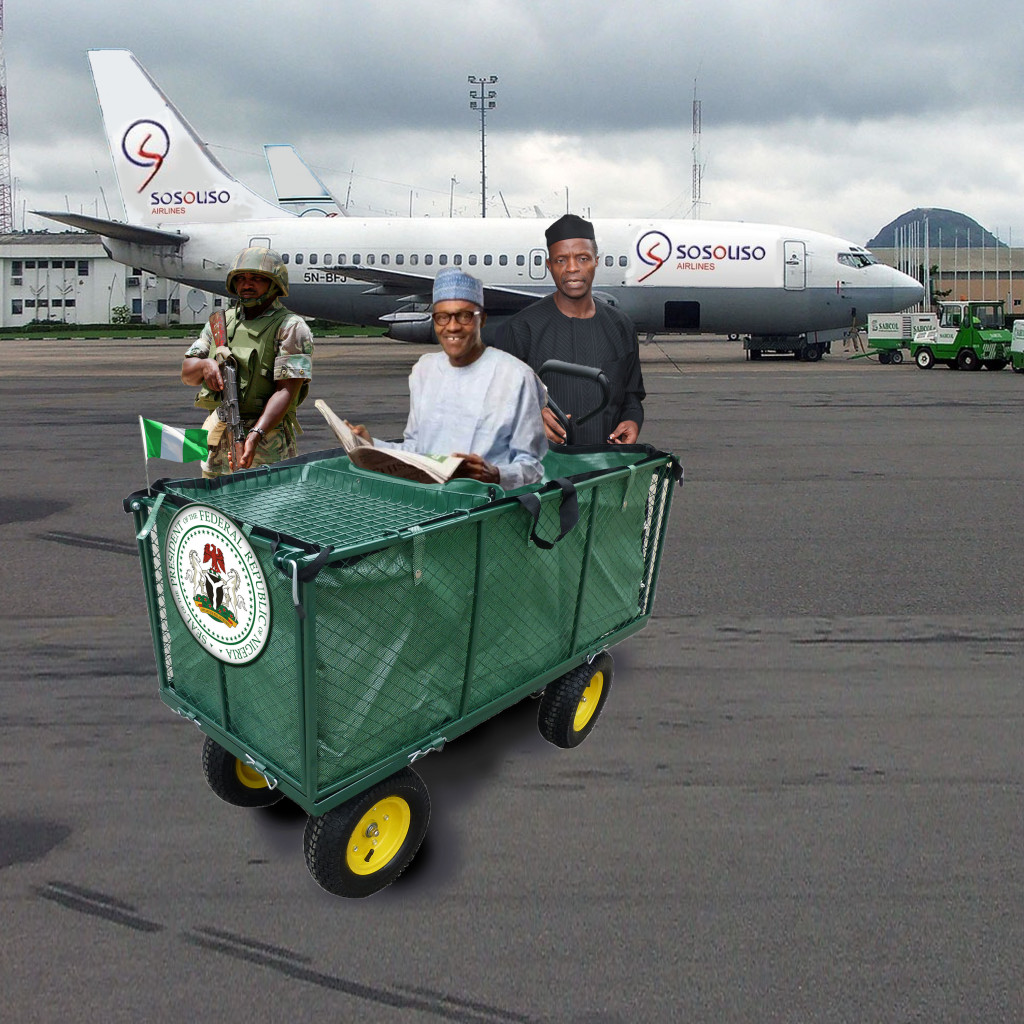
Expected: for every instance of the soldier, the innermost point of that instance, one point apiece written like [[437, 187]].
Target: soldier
[[273, 350]]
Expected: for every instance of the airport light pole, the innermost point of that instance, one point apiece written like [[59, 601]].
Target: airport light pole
[[483, 101]]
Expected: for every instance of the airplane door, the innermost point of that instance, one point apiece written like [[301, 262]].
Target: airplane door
[[795, 275], [538, 269], [259, 243]]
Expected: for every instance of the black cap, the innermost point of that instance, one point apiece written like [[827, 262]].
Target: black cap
[[569, 226]]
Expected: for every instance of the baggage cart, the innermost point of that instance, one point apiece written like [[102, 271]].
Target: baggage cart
[[325, 626]]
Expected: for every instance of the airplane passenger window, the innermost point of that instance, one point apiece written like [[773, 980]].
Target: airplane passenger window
[[428, 259], [414, 259], [298, 257], [356, 258], [623, 262], [537, 259], [520, 260], [400, 259], [328, 258], [312, 257], [385, 259], [472, 259], [442, 259], [503, 260], [371, 259], [457, 259], [285, 258], [488, 260], [341, 257]]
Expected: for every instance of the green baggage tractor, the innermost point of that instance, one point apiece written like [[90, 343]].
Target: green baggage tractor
[[325, 626]]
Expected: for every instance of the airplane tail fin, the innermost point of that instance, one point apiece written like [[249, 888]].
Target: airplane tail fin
[[166, 174], [296, 184]]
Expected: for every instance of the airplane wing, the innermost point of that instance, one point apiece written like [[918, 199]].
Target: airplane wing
[[115, 229], [403, 282]]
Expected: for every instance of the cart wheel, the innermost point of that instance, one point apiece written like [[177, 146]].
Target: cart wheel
[[967, 359], [896, 356], [571, 704], [884, 357], [924, 358], [364, 844], [233, 780]]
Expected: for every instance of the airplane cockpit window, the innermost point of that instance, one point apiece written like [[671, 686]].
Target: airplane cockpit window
[[857, 260]]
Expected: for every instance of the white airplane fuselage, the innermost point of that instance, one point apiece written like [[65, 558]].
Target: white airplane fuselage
[[188, 216]]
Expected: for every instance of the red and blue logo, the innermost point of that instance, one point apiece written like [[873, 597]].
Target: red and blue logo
[[654, 249], [146, 144]]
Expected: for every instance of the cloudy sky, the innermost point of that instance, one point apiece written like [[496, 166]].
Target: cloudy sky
[[823, 114]]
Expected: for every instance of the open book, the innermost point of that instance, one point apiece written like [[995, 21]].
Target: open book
[[424, 469]]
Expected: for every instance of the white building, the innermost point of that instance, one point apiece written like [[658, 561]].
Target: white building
[[67, 277]]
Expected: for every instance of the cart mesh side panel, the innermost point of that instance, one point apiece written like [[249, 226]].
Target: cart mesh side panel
[[623, 520], [260, 703], [392, 634], [529, 599]]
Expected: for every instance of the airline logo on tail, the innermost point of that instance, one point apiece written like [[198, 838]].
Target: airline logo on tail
[[146, 144]]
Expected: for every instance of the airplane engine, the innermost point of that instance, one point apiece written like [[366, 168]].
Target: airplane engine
[[415, 328]]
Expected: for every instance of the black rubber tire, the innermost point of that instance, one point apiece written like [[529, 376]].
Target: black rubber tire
[[995, 364], [335, 841], [896, 356], [967, 359], [925, 358], [572, 703], [884, 357], [233, 780]]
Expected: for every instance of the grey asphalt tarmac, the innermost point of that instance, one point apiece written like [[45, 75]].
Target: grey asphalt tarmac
[[803, 801]]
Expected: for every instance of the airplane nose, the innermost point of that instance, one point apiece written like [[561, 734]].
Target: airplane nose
[[906, 291]]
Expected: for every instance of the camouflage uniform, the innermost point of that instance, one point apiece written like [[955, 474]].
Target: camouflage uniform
[[292, 359]]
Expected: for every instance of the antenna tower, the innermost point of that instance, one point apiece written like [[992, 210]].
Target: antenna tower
[[6, 197], [698, 171]]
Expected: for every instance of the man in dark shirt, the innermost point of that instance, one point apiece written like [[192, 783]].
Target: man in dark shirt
[[572, 326]]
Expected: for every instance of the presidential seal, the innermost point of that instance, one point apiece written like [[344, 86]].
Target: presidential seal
[[218, 584]]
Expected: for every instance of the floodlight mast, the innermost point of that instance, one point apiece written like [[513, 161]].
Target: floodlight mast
[[483, 101]]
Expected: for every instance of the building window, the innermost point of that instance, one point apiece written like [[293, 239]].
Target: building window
[[137, 307], [43, 264], [42, 303], [30, 303], [30, 264], [69, 303], [161, 306], [218, 301], [175, 306], [83, 268], [16, 309], [56, 303], [15, 268]]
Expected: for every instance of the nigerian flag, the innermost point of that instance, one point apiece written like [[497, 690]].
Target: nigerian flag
[[163, 442]]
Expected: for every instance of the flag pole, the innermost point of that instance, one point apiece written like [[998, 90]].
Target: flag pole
[[145, 455]]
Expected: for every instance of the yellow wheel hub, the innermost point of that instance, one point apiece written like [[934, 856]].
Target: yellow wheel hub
[[378, 836], [589, 700], [248, 776]]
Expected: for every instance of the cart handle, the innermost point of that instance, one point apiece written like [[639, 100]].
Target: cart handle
[[594, 373], [568, 512]]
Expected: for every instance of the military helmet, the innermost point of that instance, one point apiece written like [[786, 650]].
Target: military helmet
[[260, 260]]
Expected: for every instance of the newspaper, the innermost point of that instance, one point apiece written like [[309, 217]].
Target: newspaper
[[424, 469]]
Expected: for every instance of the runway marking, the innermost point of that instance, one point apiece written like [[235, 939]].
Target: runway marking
[[291, 964], [97, 904], [82, 540]]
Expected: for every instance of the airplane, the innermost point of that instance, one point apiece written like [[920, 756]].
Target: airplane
[[187, 217], [296, 185]]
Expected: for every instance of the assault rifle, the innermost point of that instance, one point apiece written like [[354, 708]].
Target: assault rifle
[[227, 411]]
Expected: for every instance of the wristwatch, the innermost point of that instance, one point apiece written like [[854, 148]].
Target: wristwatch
[[260, 431]]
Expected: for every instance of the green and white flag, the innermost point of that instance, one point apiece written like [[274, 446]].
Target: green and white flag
[[163, 442]]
